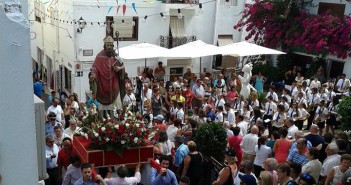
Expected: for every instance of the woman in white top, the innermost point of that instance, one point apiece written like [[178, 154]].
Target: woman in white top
[[293, 111], [164, 144], [278, 118], [335, 174], [262, 153], [299, 78], [303, 116]]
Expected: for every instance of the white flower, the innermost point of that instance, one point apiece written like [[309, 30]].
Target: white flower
[[116, 126], [85, 117], [127, 124], [137, 125], [103, 129], [107, 139], [135, 140], [123, 142], [96, 134], [86, 136], [103, 119]]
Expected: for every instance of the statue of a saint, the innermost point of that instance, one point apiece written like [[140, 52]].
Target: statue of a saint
[[107, 77]]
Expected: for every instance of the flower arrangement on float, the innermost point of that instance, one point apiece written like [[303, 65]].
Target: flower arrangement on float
[[127, 131]]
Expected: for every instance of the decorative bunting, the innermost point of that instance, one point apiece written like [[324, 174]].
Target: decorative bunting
[[134, 8], [119, 6], [124, 9], [109, 10]]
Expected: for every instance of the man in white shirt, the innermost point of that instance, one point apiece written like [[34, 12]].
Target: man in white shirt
[[315, 83], [314, 166], [122, 179], [270, 109], [313, 102], [51, 153], [57, 109], [333, 159], [242, 124], [273, 94], [292, 128], [342, 83], [226, 127], [230, 114], [248, 144], [129, 100], [199, 93]]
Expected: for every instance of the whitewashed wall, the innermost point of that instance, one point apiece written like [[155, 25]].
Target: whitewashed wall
[[18, 150]]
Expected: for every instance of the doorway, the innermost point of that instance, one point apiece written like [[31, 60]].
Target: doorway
[[336, 68]]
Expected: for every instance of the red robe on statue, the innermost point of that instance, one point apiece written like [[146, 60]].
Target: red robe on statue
[[107, 78]]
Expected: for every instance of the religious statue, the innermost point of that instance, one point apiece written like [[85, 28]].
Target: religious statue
[[245, 81], [107, 77]]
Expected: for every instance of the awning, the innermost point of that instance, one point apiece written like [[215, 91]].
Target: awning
[[177, 27], [224, 40]]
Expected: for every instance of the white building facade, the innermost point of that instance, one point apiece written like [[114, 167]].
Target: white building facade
[[64, 54]]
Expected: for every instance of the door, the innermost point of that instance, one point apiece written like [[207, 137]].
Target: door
[[336, 68]]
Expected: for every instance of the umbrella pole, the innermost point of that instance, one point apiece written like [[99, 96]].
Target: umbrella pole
[[145, 63], [200, 65]]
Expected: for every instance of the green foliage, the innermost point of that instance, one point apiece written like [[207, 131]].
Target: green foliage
[[211, 140], [344, 110], [267, 70]]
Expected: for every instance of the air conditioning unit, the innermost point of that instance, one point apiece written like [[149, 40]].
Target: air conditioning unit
[[39, 110]]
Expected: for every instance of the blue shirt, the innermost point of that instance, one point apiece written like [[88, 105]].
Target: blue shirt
[[294, 146], [90, 101], [180, 154], [210, 115], [81, 182], [49, 129], [38, 88], [156, 179], [296, 156]]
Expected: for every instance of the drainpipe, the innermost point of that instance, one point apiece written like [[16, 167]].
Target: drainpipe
[[214, 30]]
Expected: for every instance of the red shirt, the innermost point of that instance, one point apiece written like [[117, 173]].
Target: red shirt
[[63, 157], [188, 95]]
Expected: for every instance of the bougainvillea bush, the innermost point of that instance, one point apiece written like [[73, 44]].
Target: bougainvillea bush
[[287, 24]]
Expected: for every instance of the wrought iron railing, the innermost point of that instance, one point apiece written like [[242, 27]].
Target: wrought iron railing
[[171, 42], [181, 1]]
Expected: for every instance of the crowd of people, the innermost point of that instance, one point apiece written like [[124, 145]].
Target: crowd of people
[[288, 137]]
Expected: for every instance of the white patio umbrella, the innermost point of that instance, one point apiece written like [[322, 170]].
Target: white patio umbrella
[[247, 49], [194, 49], [143, 51]]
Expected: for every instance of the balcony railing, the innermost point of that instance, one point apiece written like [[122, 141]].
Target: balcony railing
[[171, 42], [181, 1]]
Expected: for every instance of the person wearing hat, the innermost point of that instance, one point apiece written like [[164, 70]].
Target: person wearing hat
[[49, 126], [107, 76], [228, 173], [247, 179]]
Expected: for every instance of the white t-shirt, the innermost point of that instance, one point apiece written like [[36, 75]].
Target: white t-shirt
[[171, 132], [262, 154], [249, 142], [243, 128], [292, 130], [329, 163], [57, 110], [219, 117], [231, 117]]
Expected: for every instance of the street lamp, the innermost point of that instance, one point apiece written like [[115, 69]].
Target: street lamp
[[81, 25]]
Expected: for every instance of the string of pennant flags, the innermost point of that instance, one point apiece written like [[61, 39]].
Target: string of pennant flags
[[124, 7]]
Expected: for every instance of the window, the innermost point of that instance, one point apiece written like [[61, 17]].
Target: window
[[127, 27], [332, 8], [229, 2]]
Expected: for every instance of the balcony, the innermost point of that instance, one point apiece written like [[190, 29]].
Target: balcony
[[171, 42]]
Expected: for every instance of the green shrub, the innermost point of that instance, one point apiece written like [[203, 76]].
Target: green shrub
[[344, 110], [211, 140]]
